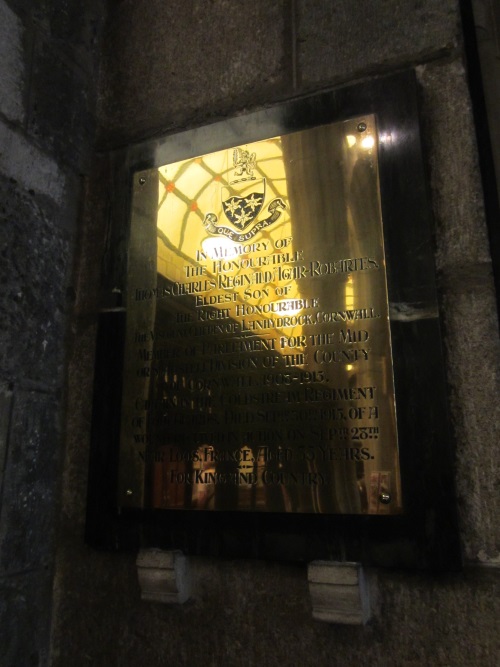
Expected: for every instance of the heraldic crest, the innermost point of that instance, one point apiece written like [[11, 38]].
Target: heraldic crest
[[242, 201]]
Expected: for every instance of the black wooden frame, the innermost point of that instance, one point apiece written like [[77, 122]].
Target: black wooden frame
[[426, 536]]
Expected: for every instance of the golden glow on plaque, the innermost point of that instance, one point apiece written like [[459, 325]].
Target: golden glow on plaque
[[265, 351], [212, 246], [368, 142]]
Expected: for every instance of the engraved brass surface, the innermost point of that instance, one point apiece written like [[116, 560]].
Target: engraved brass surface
[[258, 369]]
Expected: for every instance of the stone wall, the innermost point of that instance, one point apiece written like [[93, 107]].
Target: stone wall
[[172, 65], [48, 60]]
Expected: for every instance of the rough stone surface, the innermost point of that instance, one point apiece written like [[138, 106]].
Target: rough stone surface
[[30, 484], [60, 117], [25, 613], [5, 412], [250, 613], [468, 302], [33, 270], [344, 39], [11, 83], [474, 377], [48, 60], [455, 179], [186, 61], [26, 164], [79, 418], [76, 33]]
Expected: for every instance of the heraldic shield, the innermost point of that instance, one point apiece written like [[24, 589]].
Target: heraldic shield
[[243, 201]]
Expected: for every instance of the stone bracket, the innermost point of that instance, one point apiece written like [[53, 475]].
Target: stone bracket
[[163, 576], [338, 592]]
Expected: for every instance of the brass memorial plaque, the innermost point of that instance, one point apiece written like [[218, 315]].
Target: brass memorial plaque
[[258, 369]]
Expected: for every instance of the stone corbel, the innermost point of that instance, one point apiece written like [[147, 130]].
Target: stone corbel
[[338, 592], [163, 576]]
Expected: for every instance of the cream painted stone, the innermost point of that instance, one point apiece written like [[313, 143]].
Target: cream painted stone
[[338, 592], [163, 576]]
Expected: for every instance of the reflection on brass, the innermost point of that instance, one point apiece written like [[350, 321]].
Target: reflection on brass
[[258, 368]]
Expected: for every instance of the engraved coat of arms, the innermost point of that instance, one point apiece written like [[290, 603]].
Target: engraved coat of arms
[[242, 200]]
